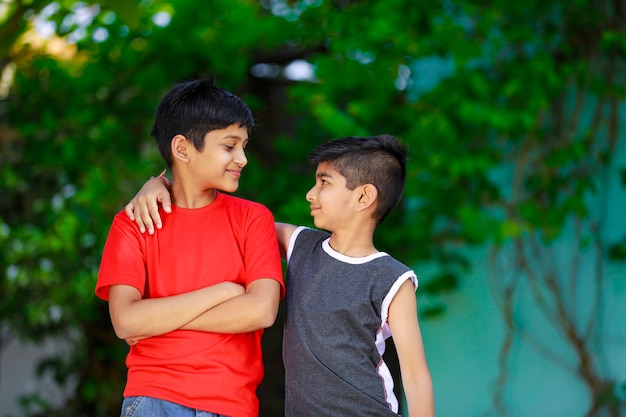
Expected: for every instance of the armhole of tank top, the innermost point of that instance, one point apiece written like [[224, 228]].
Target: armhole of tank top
[[292, 242], [384, 311]]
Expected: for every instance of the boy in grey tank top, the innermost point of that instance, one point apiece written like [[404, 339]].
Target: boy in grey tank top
[[344, 297]]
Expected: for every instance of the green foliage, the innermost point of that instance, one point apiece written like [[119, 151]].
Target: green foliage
[[498, 149]]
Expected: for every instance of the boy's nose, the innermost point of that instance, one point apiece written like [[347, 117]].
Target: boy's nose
[[310, 195], [240, 158]]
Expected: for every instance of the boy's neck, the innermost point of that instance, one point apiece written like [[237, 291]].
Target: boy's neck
[[353, 244], [185, 195]]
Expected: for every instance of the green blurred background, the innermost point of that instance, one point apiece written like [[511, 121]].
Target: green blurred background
[[513, 215]]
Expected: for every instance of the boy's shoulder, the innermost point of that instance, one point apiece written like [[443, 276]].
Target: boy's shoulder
[[310, 234], [242, 204], [240, 201], [398, 263], [122, 220]]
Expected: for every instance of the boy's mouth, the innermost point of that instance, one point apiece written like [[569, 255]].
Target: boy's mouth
[[234, 173]]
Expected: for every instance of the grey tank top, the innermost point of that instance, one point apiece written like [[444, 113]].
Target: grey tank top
[[335, 329]]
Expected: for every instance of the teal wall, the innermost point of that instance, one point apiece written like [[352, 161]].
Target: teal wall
[[464, 344]]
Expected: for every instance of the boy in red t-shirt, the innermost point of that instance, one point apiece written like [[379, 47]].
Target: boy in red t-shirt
[[193, 299]]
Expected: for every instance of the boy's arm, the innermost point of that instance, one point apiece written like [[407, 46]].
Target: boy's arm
[[143, 209], [254, 310], [407, 338], [284, 231], [136, 318]]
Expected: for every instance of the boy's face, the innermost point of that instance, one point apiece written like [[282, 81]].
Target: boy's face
[[332, 203], [220, 163]]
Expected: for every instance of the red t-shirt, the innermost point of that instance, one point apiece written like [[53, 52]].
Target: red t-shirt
[[231, 239]]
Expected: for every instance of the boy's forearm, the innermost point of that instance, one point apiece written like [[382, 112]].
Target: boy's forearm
[[419, 396], [254, 310], [152, 317]]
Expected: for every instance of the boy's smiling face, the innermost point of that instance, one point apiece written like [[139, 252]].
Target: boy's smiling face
[[331, 202], [220, 163]]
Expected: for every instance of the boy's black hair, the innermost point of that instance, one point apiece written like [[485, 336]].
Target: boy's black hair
[[194, 108], [378, 160]]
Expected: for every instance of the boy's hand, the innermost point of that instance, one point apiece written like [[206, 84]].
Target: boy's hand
[[144, 207], [134, 340]]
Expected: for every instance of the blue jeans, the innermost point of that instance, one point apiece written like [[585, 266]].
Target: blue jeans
[[153, 407]]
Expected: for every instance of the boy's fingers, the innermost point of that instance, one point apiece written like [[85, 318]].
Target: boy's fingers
[[166, 202], [139, 219], [144, 214], [128, 209], [153, 211]]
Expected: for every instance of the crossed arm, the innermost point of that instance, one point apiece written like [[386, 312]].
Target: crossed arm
[[222, 308], [135, 318]]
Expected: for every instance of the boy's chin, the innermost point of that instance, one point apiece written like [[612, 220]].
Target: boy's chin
[[230, 189], [318, 224]]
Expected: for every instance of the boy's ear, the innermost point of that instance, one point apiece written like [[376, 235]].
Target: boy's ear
[[180, 146], [367, 197]]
